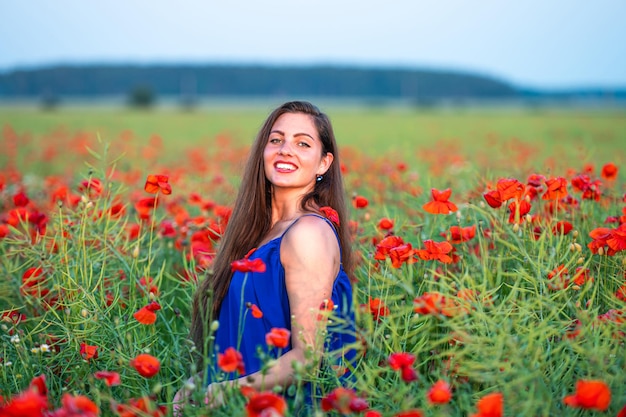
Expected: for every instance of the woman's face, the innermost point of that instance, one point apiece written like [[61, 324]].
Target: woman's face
[[293, 153]]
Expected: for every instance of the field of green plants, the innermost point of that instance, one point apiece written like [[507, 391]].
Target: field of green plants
[[491, 243]]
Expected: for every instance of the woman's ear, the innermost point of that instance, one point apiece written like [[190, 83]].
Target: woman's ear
[[327, 161]]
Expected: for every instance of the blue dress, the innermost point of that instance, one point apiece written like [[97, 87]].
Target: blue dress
[[240, 330]]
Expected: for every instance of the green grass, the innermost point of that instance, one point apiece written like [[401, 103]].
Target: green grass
[[514, 336]]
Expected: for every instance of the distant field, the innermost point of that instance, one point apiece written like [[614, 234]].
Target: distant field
[[592, 136]]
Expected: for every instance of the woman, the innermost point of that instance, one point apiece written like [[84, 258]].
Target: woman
[[292, 176]]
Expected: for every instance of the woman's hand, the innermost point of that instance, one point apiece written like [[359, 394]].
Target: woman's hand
[[182, 397], [214, 395]]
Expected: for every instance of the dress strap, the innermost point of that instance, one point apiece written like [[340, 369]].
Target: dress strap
[[332, 226]]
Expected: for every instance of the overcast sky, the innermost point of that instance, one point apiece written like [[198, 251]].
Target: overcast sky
[[532, 43]]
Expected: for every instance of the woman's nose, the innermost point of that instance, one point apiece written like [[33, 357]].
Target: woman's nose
[[285, 148]]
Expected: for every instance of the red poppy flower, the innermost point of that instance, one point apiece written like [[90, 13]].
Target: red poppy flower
[[343, 400], [20, 199], [433, 303], [517, 210], [436, 251], [230, 361], [4, 231], [326, 307], [377, 308], [617, 238], [145, 206], [147, 315], [256, 311], [147, 286], [359, 202], [247, 265], [401, 254], [372, 413], [140, 407], [385, 224], [156, 183], [403, 362], [331, 214], [147, 365], [439, 393], [76, 406], [609, 171], [409, 413], [93, 186], [32, 280], [510, 188], [557, 189], [110, 378], [266, 404], [399, 360], [88, 351], [440, 203], [591, 395], [28, 403], [460, 234], [278, 337], [13, 316], [384, 246], [493, 198], [562, 228], [491, 405]]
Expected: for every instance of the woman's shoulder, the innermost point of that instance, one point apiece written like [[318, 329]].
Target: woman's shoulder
[[310, 231]]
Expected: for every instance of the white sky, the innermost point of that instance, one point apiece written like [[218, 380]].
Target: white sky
[[531, 43]]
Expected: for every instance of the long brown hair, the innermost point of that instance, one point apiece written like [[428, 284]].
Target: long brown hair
[[250, 220]]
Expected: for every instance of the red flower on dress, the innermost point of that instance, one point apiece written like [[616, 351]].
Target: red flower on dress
[[440, 203], [491, 405], [278, 337], [590, 394], [331, 214], [147, 315], [246, 265], [147, 365], [256, 311], [266, 404], [439, 393], [230, 361], [156, 183], [110, 378]]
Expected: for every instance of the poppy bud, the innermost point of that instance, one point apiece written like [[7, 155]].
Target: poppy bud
[[575, 234], [578, 247], [136, 252], [600, 251], [516, 227]]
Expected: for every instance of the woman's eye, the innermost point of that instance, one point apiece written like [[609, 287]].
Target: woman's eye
[[305, 145], [274, 140]]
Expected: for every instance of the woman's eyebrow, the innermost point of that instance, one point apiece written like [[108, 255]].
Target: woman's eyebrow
[[280, 132]]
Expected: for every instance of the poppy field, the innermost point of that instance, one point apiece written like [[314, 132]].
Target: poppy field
[[490, 279]]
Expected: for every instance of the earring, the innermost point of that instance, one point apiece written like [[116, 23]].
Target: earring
[[319, 178]]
